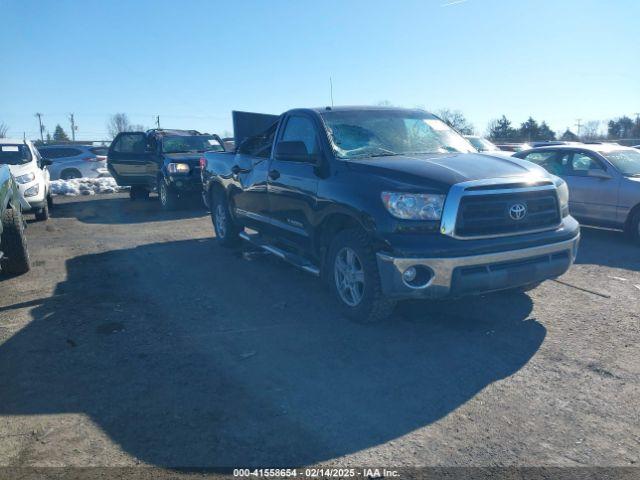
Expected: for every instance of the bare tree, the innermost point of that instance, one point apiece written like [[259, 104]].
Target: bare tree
[[456, 119], [4, 128], [591, 131], [118, 123]]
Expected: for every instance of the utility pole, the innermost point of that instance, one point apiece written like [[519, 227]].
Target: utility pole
[[331, 90], [158, 121], [578, 125], [73, 127], [39, 115]]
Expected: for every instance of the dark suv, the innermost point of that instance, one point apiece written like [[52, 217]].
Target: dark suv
[[167, 161]]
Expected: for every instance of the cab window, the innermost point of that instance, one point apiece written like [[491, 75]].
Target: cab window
[[301, 129], [259, 145], [130, 143], [550, 160]]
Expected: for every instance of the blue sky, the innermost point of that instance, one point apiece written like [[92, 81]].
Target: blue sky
[[192, 62]]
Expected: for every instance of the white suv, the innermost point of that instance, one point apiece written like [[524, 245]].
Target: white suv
[[30, 172]]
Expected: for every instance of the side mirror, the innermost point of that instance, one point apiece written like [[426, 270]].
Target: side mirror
[[45, 162], [599, 173], [294, 152]]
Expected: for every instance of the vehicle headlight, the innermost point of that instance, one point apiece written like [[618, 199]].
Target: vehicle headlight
[[414, 206], [26, 178], [178, 168], [32, 191], [563, 196]]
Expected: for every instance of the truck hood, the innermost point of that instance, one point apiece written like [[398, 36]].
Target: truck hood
[[444, 170], [183, 157]]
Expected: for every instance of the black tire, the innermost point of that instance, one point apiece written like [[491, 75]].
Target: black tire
[[138, 193], [14, 243], [372, 305], [42, 214], [168, 200], [633, 227], [70, 174], [226, 230]]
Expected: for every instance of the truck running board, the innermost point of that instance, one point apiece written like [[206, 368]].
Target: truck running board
[[295, 260]]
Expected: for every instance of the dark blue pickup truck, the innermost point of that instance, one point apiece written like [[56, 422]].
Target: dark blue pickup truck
[[387, 204]]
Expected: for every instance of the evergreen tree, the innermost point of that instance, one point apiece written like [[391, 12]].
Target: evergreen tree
[[59, 135], [569, 136], [501, 130], [545, 133]]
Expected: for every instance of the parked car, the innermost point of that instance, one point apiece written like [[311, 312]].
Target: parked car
[[388, 204], [14, 254], [31, 174], [75, 161], [167, 161], [482, 144], [513, 147], [603, 179]]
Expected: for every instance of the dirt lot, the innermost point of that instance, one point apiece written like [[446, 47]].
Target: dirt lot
[[135, 339]]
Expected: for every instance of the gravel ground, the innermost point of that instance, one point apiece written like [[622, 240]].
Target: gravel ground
[[137, 340]]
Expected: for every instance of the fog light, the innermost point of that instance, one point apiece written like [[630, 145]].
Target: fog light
[[417, 276], [409, 274]]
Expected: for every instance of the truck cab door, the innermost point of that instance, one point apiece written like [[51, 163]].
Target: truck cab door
[[131, 161], [293, 179]]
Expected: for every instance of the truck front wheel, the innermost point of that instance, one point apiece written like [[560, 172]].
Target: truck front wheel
[[14, 243], [355, 280], [225, 228]]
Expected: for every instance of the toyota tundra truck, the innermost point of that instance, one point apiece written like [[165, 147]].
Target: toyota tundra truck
[[386, 204]]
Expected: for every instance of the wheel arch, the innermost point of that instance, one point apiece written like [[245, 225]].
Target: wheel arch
[[635, 210]]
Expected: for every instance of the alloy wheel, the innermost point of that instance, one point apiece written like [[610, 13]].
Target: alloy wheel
[[349, 276]]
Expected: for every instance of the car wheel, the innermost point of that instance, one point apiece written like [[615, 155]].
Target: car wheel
[[168, 199], [633, 227], [138, 193], [14, 243], [70, 174], [355, 280], [227, 232], [43, 213]]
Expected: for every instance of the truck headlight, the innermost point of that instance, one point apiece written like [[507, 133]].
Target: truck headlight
[[414, 206], [32, 191], [178, 168], [26, 178], [563, 196]]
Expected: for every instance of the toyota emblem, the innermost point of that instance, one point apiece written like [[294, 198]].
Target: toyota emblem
[[518, 211]]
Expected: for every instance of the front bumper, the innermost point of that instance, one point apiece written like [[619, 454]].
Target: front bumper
[[476, 274], [184, 184]]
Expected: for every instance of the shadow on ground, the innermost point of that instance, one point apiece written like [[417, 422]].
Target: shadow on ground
[[187, 355], [122, 210], [609, 248]]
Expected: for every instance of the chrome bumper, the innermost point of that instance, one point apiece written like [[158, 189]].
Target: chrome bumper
[[477, 274]]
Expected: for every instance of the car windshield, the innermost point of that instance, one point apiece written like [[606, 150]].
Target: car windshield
[[626, 161], [190, 144], [372, 133], [14, 154], [482, 144]]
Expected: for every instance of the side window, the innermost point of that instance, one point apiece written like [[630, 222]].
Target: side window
[[581, 163], [130, 143], [550, 160], [259, 145], [301, 129]]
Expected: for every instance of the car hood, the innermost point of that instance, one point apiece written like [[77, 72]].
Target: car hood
[[17, 170], [448, 169]]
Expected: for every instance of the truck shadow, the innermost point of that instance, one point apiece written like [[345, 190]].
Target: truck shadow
[[188, 356], [608, 248], [121, 210]]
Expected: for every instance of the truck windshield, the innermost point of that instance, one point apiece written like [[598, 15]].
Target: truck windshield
[[626, 161], [14, 154], [190, 144], [371, 133]]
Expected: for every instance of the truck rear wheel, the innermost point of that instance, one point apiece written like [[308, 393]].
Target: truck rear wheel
[[14, 244], [355, 280], [138, 193], [223, 225]]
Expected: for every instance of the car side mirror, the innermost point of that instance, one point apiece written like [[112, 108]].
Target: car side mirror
[[295, 151], [46, 162], [599, 173]]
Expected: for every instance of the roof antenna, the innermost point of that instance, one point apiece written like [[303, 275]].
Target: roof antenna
[[331, 90]]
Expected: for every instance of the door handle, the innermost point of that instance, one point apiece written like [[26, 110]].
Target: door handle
[[274, 174]]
